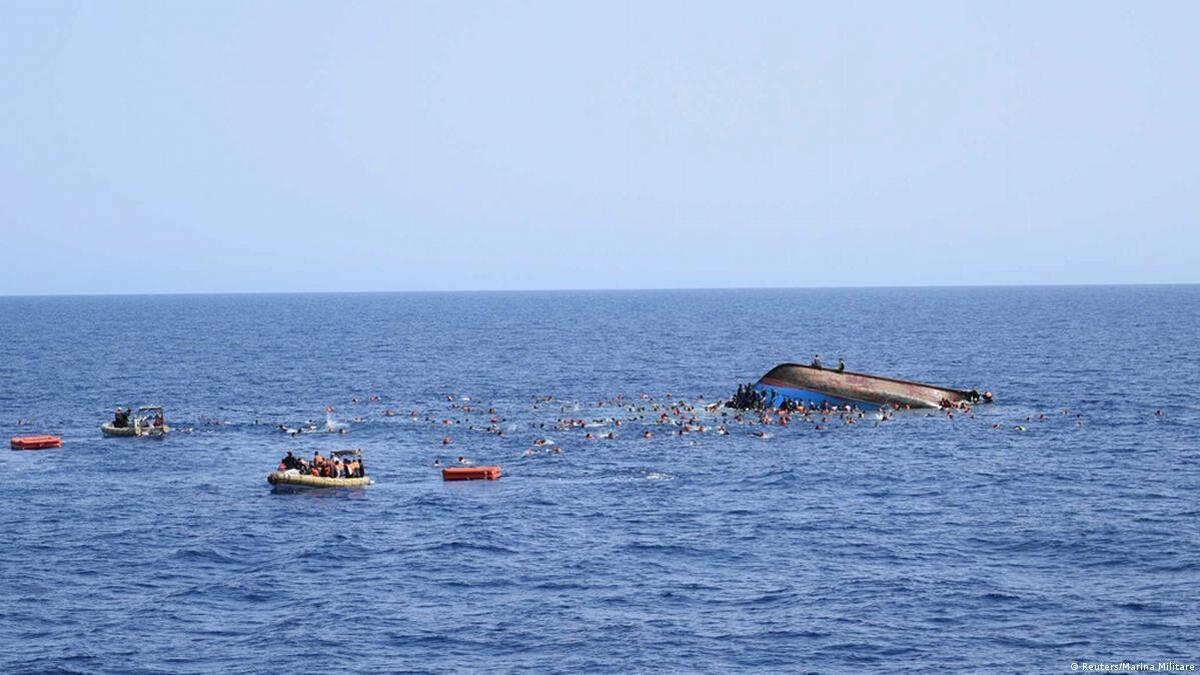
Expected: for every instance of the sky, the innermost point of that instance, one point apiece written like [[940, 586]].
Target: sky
[[167, 147]]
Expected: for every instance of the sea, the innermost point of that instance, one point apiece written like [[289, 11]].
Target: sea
[[1055, 529]]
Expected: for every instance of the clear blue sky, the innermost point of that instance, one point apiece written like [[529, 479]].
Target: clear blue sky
[[291, 146]]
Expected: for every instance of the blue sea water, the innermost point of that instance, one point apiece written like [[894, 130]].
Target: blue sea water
[[918, 543]]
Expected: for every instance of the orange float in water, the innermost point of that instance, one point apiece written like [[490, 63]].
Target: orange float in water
[[36, 442], [471, 473]]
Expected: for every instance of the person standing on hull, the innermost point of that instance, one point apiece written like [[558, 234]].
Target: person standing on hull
[[841, 366], [816, 362]]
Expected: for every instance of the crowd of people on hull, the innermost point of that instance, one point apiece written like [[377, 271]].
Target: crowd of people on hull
[[324, 467], [748, 397]]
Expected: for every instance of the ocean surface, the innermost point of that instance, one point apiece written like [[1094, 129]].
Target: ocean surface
[[918, 543]]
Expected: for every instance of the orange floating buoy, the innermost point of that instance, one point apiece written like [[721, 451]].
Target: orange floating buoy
[[36, 442], [471, 473]]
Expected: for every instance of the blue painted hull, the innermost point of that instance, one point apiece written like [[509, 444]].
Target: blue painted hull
[[775, 396]]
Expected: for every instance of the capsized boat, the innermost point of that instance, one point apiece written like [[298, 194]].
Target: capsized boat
[[148, 421], [815, 386], [297, 478]]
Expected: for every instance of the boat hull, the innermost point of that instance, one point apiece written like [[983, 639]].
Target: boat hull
[[816, 387], [297, 479], [775, 394]]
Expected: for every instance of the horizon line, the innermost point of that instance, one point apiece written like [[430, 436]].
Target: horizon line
[[600, 289]]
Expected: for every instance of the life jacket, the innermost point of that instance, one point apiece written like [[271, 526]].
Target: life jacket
[[282, 466]]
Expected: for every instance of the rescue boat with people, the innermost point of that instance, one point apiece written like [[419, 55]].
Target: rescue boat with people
[[815, 386], [149, 421], [295, 478]]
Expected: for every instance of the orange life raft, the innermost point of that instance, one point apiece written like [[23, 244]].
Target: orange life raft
[[36, 442], [471, 473]]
